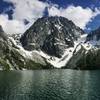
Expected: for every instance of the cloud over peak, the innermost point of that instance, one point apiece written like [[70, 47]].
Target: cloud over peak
[[80, 16], [31, 10], [11, 26]]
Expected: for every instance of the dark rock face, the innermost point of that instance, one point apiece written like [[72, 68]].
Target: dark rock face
[[52, 35], [11, 56], [85, 60], [90, 61]]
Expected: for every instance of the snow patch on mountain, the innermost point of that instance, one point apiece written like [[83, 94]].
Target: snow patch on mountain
[[60, 62], [58, 27], [55, 61], [68, 53]]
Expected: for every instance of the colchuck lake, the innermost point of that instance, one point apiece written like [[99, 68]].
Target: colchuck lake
[[63, 84]]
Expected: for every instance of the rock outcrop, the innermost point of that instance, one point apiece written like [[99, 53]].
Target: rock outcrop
[[52, 35]]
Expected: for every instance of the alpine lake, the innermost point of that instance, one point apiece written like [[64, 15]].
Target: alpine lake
[[56, 84]]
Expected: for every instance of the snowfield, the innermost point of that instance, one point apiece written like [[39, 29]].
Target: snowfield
[[68, 53]]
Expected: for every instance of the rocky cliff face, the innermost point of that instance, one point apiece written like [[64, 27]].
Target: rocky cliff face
[[52, 35], [14, 57], [88, 57]]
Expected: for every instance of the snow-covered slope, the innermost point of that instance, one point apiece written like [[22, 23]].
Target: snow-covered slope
[[14, 57], [68, 53], [56, 61], [54, 38], [58, 40], [88, 57]]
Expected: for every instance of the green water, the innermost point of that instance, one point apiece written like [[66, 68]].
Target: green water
[[50, 85]]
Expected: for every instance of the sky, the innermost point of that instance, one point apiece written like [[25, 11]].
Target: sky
[[16, 16]]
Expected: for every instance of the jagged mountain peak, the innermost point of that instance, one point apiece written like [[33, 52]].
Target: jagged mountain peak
[[50, 42], [52, 35], [54, 19]]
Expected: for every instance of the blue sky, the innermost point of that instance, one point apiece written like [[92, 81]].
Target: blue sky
[[83, 3], [4, 8], [21, 14]]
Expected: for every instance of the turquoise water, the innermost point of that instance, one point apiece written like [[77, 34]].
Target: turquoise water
[[50, 85]]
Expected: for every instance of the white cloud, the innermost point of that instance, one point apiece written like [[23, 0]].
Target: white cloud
[[24, 9], [27, 9], [11, 26], [33, 9], [80, 16]]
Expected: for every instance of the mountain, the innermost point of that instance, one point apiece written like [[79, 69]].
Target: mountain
[[88, 57], [52, 35], [14, 57], [51, 42], [57, 39], [94, 37]]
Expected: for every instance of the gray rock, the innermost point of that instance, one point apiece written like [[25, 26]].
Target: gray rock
[[12, 57], [52, 35]]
